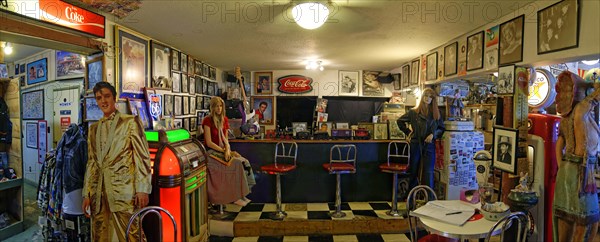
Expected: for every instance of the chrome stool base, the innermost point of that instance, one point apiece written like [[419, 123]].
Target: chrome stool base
[[220, 214], [337, 214], [279, 215], [393, 213]]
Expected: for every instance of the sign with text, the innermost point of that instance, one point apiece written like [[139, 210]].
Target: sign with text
[[295, 84], [59, 13]]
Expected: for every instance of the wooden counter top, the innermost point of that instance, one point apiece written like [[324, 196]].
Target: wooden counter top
[[301, 141]]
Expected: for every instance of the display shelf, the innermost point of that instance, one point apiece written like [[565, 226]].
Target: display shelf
[[10, 230], [11, 183]]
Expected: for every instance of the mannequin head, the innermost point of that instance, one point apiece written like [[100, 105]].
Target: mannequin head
[[570, 90], [428, 103]]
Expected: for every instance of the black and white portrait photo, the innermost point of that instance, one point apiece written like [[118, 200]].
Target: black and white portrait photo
[[160, 61], [450, 58], [414, 72], [405, 76], [348, 83], [505, 141], [511, 41], [557, 27], [475, 51], [371, 86], [506, 80], [432, 66]]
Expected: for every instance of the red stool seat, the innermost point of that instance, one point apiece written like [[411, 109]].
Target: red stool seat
[[393, 167], [436, 238], [339, 167], [277, 168]]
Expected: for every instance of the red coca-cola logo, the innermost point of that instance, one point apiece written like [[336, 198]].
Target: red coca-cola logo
[[295, 84]]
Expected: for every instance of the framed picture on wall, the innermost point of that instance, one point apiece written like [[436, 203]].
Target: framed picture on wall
[[506, 80], [450, 59], [177, 105], [132, 58], [505, 149], [190, 65], [175, 60], [33, 105], [69, 65], [94, 73], [475, 51], [184, 62], [31, 134], [414, 72], [92, 111], [348, 83], [371, 86], [511, 41], [138, 107], [206, 103], [264, 109], [397, 81], [263, 82], [37, 71], [432, 66], [168, 105], [405, 76], [558, 27], [205, 70], [185, 83], [176, 81], [160, 62], [197, 67], [380, 130]]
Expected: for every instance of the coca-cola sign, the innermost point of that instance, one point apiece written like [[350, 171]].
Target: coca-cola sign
[[295, 84]]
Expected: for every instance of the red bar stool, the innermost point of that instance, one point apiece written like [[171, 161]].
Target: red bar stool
[[284, 162], [342, 160], [398, 161]]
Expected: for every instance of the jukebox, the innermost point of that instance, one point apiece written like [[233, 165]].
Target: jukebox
[[178, 185]]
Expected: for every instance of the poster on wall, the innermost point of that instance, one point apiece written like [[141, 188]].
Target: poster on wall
[[491, 37], [37, 71], [31, 135], [42, 137], [132, 63], [371, 86], [69, 65]]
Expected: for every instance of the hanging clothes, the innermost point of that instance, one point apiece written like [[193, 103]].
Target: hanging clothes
[[71, 161]]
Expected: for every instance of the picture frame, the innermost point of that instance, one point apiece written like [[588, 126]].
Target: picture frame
[[510, 49], [198, 68], [176, 81], [177, 105], [94, 73], [558, 27], [161, 60], [192, 83], [185, 83], [405, 76], [3, 70], [348, 83], [138, 107], [324, 127], [31, 134], [263, 83], [394, 131], [92, 111], [175, 63], [342, 125], [178, 123], [368, 126], [414, 72], [37, 71], [193, 124], [299, 127], [192, 102], [397, 81], [206, 103], [370, 84], [475, 51], [506, 80], [205, 70], [168, 105], [132, 58], [451, 59], [267, 115], [191, 65], [186, 124], [69, 65], [213, 73], [22, 69], [186, 105], [432, 63], [199, 83], [184, 62], [32, 104], [381, 131], [199, 105], [505, 149], [210, 88]]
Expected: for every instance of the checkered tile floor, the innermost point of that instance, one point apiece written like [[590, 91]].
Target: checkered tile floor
[[310, 211], [317, 238]]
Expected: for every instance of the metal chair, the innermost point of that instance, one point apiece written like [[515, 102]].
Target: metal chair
[[522, 221], [142, 213], [417, 197], [284, 162], [398, 161], [342, 160]]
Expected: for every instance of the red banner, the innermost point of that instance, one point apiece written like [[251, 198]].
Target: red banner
[[59, 13], [295, 84]]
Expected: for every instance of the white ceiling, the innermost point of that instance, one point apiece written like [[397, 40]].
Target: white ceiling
[[361, 35]]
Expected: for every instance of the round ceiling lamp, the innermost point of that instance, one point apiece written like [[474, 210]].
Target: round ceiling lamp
[[310, 15]]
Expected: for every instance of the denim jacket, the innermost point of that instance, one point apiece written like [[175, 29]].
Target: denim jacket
[[422, 126], [71, 159]]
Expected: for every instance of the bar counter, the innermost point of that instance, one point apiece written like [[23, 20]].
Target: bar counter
[[310, 182]]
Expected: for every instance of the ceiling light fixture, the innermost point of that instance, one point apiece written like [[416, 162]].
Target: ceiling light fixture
[[8, 49], [314, 65], [590, 62], [310, 15]]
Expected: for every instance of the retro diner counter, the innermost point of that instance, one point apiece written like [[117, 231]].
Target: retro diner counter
[[310, 182]]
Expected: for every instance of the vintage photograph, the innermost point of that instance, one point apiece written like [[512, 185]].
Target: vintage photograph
[[394, 130], [206, 103], [348, 83], [37, 71], [205, 70], [263, 109], [324, 127], [160, 62], [176, 81], [371, 85], [199, 104], [505, 146], [132, 63], [414, 72], [167, 105], [299, 127], [174, 60], [191, 65], [491, 37], [32, 104], [198, 68], [94, 73], [31, 134], [185, 83], [432, 66], [397, 81], [69, 65], [450, 59], [405, 76], [475, 51], [183, 61], [178, 105], [263, 82], [511, 41], [381, 131], [342, 125], [186, 105], [558, 27], [92, 111], [506, 80]]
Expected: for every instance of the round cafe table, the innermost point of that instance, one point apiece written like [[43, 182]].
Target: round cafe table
[[476, 229]]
